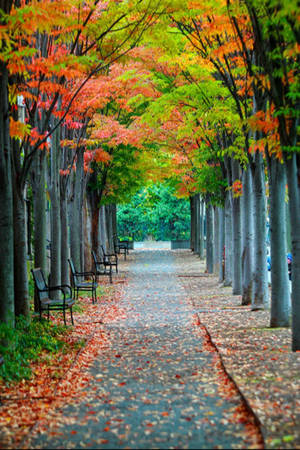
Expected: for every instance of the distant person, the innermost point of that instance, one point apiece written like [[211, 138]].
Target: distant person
[[289, 261]]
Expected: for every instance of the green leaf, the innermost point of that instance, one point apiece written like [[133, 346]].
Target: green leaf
[[288, 438]]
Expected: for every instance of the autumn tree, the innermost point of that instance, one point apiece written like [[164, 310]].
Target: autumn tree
[[51, 43], [274, 26]]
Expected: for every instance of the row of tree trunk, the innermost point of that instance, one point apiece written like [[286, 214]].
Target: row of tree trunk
[[236, 241], [63, 207]]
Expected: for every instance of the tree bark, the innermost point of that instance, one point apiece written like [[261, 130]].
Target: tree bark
[[192, 209], [76, 213], [22, 302], [38, 180], [197, 224], [114, 225], [280, 293], [228, 240], [247, 241], [209, 238], [39, 211], [293, 176], [221, 232], [260, 286], [288, 227], [102, 227], [201, 228], [88, 262], [7, 308], [237, 235], [109, 228], [94, 206], [216, 241], [55, 262], [65, 278]]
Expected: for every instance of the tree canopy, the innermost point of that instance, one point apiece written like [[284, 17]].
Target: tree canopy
[[101, 99]]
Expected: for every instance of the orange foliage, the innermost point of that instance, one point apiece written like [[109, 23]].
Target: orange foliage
[[101, 155]]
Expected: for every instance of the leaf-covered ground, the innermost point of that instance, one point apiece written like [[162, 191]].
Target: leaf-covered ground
[[58, 378], [151, 375], [258, 358]]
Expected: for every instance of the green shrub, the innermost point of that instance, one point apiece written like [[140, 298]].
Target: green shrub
[[155, 212], [24, 343]]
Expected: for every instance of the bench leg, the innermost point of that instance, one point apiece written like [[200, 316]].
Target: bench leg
[[71, 312]]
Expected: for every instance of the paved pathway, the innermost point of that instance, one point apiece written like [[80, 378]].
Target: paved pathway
[[155, 387]]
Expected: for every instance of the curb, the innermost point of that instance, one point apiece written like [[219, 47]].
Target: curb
[[257, 421]]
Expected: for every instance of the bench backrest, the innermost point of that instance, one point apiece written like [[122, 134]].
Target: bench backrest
[[75, 279], [98, 261], [94, 257], [40, 283], [102, 251]]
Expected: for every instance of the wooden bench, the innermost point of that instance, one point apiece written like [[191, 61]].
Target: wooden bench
[[43, 292], [80, 285]]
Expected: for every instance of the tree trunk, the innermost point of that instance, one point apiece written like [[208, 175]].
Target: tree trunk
[[221, 232], [247, 241], [22, 302], [197, 224], [76, 213], [209, 238], [102, 227], [288, 227], [228, 240], [109, 228], [201, 228], [293, 176], [216, 241], [237, 235], [95, 214], [38, 180], [39, 211], [192, 209], [114, 225], [260, 286], [7, 308], [88, 263], [81, 217], [28, 226], [65, 278], [280, 296], [55, 262]]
